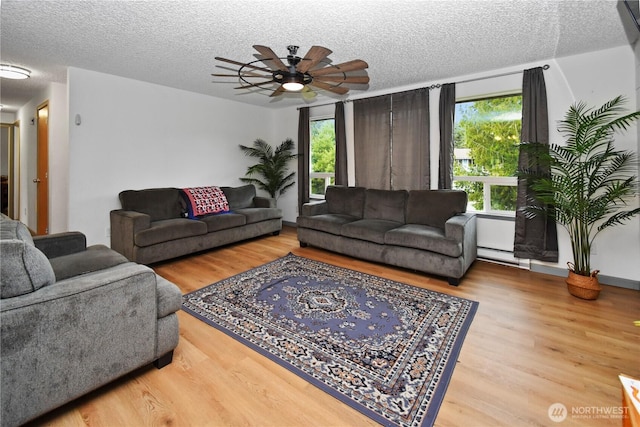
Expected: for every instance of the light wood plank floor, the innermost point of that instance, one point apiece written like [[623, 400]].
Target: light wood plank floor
[[531, 345]]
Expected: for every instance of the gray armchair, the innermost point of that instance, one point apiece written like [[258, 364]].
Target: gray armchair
[[74, 318]]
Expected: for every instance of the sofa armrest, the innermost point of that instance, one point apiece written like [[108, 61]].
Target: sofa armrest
[[124, 226], [60, 244], [315, 208], [463, 228], [264, 202], [79, 333], [454, 227]]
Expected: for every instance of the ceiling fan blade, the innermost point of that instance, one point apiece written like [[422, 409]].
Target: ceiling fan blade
[[356, 64], [278, 91], [312, 58], [241, 64], [255, 84], [341, 90], [269, 55], [343, 79]]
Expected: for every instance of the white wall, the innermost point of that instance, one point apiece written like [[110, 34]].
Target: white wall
[[596, 79], [136, 135], [285, 125]]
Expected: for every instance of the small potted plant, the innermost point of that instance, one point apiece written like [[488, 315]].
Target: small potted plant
[[272, 166], [589, 184]]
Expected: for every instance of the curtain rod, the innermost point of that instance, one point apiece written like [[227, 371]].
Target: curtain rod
[[439, 85]]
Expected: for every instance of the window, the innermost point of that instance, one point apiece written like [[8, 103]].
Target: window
[[323, 156], [486, 139]]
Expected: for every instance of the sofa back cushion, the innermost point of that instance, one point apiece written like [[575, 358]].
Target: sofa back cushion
[[389, 205], [345, 200], [24, 267], [435, 207], [158, 203], [240, 197]]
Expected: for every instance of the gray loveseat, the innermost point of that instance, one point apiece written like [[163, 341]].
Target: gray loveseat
[[74, 318], [424, 230], [153, 226]]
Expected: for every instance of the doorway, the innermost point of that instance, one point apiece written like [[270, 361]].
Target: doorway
[[9, 168], [42, 175]]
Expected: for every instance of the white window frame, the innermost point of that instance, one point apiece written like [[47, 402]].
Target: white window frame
[[487, 182]]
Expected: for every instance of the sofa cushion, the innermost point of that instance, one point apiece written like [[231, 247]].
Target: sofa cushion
[[203, 201], [329, 223], [423, 237], [240, 197], [435, 207], [94, 258], [385, 204], [345, 200], [259, 214], [372, 230], [169, 229], [24, 268], [223, 221], [158, 203]]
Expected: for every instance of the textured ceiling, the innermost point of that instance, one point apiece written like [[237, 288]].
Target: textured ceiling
[[173, 43]]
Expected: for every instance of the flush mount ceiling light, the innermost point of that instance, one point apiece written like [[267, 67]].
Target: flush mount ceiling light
[[295, 74], [12, 72]]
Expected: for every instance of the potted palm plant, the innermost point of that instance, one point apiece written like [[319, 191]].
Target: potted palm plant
[[589, 185], [272, 167]]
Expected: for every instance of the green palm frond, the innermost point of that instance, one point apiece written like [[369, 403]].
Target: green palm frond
[[591, 182], [271, 167]]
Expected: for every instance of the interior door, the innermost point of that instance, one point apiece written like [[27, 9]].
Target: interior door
[[42, 178]]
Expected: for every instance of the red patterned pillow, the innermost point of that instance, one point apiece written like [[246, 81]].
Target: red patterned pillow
[[203, 201]]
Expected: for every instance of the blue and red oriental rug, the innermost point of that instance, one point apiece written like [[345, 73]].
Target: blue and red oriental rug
[[385, 348]]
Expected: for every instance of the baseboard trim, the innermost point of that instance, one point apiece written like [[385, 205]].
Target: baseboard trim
[[602, 278], [501, 256]]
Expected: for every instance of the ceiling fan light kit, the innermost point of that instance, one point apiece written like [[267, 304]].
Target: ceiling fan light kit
[[298, 74], [292, 84]]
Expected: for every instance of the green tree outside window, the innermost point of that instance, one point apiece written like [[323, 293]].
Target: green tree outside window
[[323, 151], [490, 130]]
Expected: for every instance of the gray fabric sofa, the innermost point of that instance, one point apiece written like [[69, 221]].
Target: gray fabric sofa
[[74, 318], [153, 226], [425, 230]]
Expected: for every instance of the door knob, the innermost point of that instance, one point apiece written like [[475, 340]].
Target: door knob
[[37, 180]]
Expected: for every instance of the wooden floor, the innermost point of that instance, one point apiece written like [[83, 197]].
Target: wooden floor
[[530, 345]]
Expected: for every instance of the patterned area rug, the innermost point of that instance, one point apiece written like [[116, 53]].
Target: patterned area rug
[[385, 348]]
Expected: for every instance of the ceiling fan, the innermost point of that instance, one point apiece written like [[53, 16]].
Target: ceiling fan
[[297, 74]]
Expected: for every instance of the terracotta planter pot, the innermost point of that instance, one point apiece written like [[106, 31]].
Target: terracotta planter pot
[[585, 287]]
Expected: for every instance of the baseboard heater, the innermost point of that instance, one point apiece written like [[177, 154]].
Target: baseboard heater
[[502, 256]]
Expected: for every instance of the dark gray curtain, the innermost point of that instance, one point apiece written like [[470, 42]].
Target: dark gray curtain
[[535, 238], [341, 177], [410, 140], [372, 142], [447, 118], [303, 159]]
